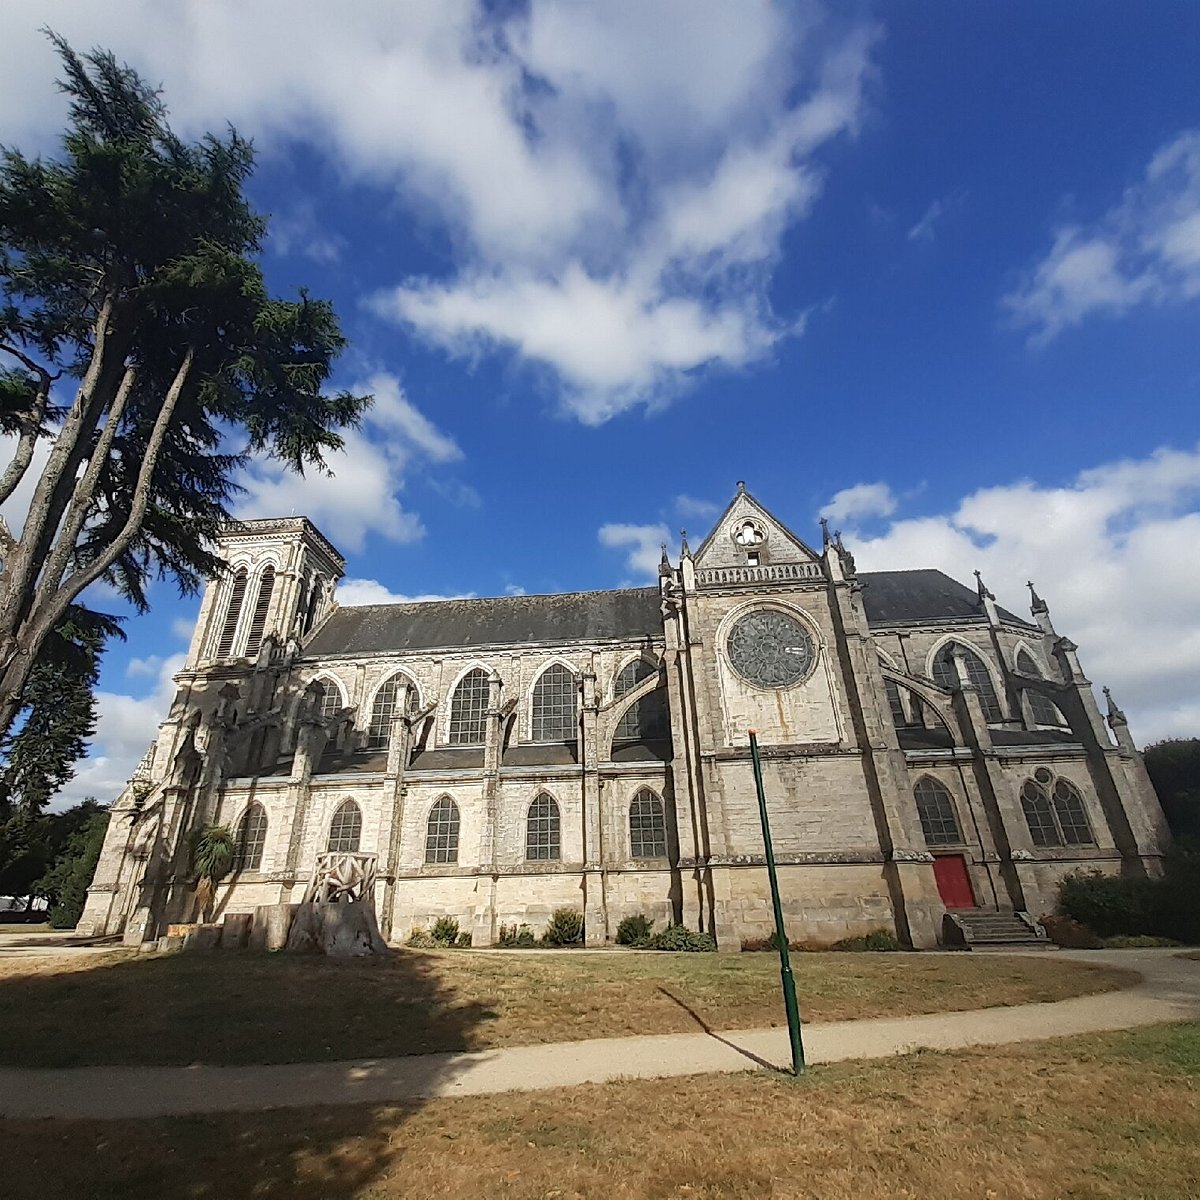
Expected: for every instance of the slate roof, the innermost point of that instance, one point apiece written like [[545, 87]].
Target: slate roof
[[891, 598], [630, 613], [913, 597]]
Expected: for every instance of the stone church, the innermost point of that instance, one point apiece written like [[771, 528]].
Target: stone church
[[928, 755]]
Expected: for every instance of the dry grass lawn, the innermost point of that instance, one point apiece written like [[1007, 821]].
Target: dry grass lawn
[[1108, 1117], [227, 1009]]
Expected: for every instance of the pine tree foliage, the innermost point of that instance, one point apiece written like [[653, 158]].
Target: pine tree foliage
[[140, 341], [58, 713], [65, 885]]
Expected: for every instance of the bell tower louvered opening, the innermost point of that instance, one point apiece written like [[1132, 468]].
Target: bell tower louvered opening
[[236, 598], [262, 606]]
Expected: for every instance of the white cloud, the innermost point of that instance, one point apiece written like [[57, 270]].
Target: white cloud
[[183, 628], [360, 496], [1144, 250], [1113, 552], [689, 506], [642, 544], [144, 668], [125, 727], [298, 231], [861, 501], [923, 230], [615, 179], [352, 592]]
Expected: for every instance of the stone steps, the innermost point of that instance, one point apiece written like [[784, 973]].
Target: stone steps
[[970, 928]]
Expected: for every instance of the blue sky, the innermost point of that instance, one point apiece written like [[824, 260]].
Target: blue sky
[[933, 270]]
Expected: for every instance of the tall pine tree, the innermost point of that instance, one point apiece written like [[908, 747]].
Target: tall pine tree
[[129, 277]]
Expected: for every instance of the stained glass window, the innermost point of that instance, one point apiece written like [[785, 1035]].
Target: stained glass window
[[554, 700], [977, 672], [250, 840], [441, 834], [543, 833], [1039, 816], [631, 674], [645, 720], [1042, 707], [468, 709], [345, 830], [328, 698], [647, 826], [936, 810], [770, 649], [383, 710], [1072, 817]]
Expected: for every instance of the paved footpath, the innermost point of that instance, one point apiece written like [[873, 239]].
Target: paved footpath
[[1169, 991]]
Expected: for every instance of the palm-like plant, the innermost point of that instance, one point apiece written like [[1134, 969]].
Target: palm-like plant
[[212, 857]]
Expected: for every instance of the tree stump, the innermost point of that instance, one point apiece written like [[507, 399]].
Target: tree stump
[[271, 925], [235, 931], [202, 937], [336, 930]]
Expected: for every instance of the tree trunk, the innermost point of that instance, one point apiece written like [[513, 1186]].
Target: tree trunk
[[336, 930]]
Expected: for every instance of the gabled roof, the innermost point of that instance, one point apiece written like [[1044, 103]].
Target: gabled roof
[[739, 496], [630, 614], [925, 594]]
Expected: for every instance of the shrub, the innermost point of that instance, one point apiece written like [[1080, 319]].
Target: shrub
[[445, 931], [419, 939], [1069, 933], [515, 936], [464, 939], [635, 930], [772, 943], [1108, 904], [679, 937], [1118, 906], [565, 928], [877, 939]]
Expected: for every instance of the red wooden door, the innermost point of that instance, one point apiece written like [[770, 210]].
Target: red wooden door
[[953, 882]]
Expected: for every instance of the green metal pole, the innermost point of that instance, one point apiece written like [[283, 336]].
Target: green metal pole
[[785, 966]]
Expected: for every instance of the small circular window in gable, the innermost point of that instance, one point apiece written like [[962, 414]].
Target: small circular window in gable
[[770, 649]]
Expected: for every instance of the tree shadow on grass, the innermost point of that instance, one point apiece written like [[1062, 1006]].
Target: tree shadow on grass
[[224, 1009]]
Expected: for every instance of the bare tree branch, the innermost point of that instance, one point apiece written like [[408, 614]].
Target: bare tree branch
[[76, 582], [85, 488]]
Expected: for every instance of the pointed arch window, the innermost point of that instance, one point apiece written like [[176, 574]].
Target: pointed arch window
[[327, 698], [262, 605], [935, 807], [345, 830], [645, 720], [896, 704], [1071, 816], [314, 598], [543, 830], [632, 674], [468, 709], [251, 839], [237, 596], [977, 672], [383, 710], [555, 697], [1044, 710], [1039, 816], [647, 826], [441, 832]]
